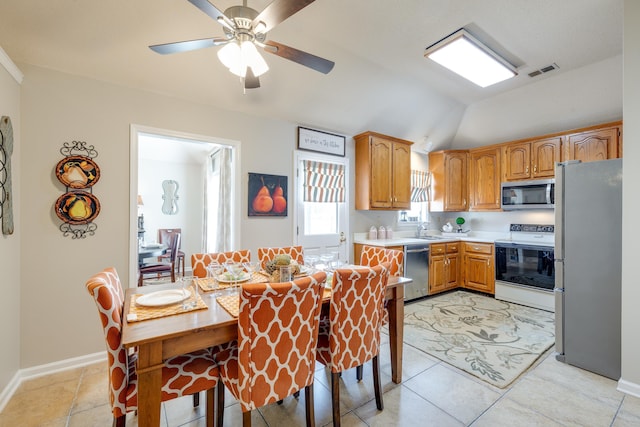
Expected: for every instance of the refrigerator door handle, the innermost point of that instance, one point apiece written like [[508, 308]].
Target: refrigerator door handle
[[559, 299]]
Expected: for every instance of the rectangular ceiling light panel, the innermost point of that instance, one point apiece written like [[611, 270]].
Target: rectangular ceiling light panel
[[465, 55]]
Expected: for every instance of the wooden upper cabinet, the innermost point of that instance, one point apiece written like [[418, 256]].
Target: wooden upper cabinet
[[401, 182], [484, 179], [532, 159], [383, 172], [448, 191], [594, 145]]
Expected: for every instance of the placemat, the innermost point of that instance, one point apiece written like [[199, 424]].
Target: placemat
[[210, 284], [138, 312], [231, 303]]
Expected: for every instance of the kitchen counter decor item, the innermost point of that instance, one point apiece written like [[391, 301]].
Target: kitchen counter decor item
[[78, 207]]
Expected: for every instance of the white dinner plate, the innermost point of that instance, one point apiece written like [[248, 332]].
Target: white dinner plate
[[230, 278], [160, 298]]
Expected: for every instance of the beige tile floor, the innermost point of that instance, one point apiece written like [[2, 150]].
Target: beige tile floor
[[432, 394]]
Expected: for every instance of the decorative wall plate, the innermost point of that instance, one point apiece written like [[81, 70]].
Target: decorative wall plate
[[77, 207], [77, 172]]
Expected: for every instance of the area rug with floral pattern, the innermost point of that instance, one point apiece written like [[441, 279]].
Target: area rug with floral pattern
[[494, 340]]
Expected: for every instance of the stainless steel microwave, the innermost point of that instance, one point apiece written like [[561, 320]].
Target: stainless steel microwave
[[534, 194]]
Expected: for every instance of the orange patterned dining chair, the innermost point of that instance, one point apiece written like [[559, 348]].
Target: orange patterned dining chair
[[374, 255], [274, 356], [350, 336], [199, 262], [182, 375], [161, 268], [267, 254], [164, 237]]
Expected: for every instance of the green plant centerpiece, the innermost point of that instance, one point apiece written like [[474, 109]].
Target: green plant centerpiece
[[459, 221]]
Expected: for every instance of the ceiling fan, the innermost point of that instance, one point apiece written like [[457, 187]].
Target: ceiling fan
[[245, 29]]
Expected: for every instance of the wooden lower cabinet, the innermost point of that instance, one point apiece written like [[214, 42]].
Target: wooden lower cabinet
[[444, 266], [479, 266]]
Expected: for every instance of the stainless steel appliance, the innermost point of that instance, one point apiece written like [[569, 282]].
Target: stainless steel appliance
[[525, 272], [535, 194], [416, 266], [588, 263]]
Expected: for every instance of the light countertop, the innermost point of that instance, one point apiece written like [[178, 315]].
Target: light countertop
[[402, 238]]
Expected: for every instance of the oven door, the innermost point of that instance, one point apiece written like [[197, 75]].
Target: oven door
[[525, 265]]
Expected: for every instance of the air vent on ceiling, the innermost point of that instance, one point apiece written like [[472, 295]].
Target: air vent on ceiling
[[543, 70]]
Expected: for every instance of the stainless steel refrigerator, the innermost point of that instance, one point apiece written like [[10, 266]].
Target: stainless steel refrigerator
[[588, 252]]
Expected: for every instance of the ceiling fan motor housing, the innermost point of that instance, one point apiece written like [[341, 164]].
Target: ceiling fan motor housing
[[242, 17]]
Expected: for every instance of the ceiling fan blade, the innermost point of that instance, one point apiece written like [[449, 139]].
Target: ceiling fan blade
[[207, 8], [277, 11], [186, 46], [250, 80], [303, 58]]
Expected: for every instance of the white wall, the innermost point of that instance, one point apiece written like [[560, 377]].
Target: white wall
[[631, 201], [10, 284]]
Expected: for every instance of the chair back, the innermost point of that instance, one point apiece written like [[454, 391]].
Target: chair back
[[355, 315], [374, 255], [173, 247], [199, 262], [106, 290], [166, 234], [267, 254], [277, 338]]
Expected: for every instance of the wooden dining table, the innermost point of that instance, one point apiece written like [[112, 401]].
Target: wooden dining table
[[164, 337]]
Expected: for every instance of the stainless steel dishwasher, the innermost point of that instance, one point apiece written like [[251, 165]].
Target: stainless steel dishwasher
[[416, 266]]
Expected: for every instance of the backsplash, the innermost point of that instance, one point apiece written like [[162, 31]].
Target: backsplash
[[475, 221]]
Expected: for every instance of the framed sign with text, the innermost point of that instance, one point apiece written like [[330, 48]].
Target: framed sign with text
[[321, 142]]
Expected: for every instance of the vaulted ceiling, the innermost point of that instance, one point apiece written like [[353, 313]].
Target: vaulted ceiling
[[381, 81]]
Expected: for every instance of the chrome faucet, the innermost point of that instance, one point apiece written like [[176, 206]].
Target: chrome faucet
[[421, 227]]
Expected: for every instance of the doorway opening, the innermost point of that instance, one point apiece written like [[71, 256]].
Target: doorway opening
[[202, 172]]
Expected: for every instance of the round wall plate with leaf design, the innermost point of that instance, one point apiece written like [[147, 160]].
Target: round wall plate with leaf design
[[77, 172], [77, 207]]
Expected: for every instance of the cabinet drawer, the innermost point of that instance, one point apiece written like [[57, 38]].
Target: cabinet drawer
[[453, 248], [438, 249], [479, 248]]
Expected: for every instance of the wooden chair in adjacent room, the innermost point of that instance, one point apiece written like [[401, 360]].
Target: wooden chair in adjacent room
[[199, 262], [162, 268], [267, 254], [350, 335], [164, 237], [276, 321], [182, 375]]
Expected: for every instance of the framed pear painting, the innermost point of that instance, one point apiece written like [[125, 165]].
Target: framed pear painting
[[267, 195]]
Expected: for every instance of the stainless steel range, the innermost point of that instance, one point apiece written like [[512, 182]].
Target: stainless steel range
[[525, 272]]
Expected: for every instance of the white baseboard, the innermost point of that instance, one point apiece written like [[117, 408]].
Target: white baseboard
[[9, 390], [47, 369], [629, 388]]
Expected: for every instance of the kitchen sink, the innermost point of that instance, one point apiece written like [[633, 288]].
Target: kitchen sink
[[429, 237]]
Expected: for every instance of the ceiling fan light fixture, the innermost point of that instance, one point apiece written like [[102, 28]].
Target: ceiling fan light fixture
[[252, 58], [230, 54], [466, 56]]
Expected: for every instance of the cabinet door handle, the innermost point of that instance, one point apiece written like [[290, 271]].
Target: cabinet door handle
[[488, 262], [535, 168], [526, 169]]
